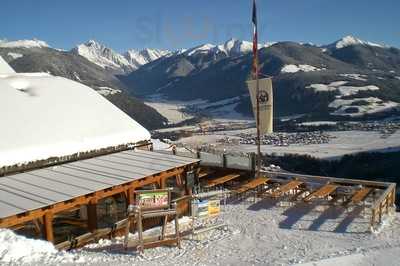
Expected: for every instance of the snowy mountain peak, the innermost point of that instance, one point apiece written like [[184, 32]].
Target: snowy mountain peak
[[24, 44], [232, 47], [101, 55], [107, 58], [236, 47], [145, 56], [350, 41]]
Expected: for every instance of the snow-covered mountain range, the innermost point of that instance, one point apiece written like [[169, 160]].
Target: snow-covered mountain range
[[131, 60], [105, 57], [231, 47], [306, 76]]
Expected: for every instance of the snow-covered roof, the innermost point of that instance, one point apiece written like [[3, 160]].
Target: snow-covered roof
[[44, 116], [5, 68]]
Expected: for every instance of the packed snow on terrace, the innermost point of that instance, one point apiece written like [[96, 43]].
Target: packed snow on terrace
[[262, 233]]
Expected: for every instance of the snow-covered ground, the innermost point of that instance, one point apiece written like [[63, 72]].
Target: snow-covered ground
[[298, 68], [345, 142], [359, 77], [361, 106], [343, 90], [173, 111], [15, 55], [354, 107], [261, 233], [105, 91], [318, 123]]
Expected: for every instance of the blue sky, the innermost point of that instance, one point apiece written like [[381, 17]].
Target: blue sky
[[124, 24]]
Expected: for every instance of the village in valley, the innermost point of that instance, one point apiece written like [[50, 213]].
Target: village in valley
[[239, 153]]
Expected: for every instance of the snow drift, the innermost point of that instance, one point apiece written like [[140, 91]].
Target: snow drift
[[18, 249], [44, 116]]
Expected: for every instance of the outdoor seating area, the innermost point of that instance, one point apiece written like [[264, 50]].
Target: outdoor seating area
[[375, 198]]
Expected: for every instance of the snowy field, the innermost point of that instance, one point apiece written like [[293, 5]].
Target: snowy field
[[261, 233], [345, 142], [223, 110], [172, 110]]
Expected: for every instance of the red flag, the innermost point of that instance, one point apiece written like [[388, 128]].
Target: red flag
[[255, 41]]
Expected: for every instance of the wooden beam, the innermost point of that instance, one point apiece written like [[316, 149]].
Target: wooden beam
[[48, 227], [92, 215]]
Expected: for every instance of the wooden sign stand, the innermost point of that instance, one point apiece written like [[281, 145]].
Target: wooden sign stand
[[139, 213]]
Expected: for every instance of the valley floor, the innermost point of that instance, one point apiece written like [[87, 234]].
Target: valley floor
[[261, 233], [344, 142]]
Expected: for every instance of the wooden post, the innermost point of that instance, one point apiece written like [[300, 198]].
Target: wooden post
[[165, 221], [48, 227], [138, 214], [126, 239], [177, 234], [129, 197], [393, 197], [387, 202], [380, 212], [162, 183], [38, 225], [92, 215], [373, 219]]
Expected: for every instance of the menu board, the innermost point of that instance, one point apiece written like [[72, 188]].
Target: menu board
[[153, 199]]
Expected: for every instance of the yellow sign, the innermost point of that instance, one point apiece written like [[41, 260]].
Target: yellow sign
[[214, 207]]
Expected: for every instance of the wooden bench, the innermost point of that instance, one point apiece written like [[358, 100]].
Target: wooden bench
[[359, 196], [221, 180], [251, 185], [322, 192], [286, 188]]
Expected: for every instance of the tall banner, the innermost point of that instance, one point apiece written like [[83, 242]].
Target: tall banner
[[266, 101]]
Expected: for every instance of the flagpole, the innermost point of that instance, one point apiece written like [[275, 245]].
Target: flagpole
[[256, 76], [258, 126]]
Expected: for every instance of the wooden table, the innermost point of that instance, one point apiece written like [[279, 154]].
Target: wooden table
[[286, 188], [251, 185], [322, 192], [221, 180]]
